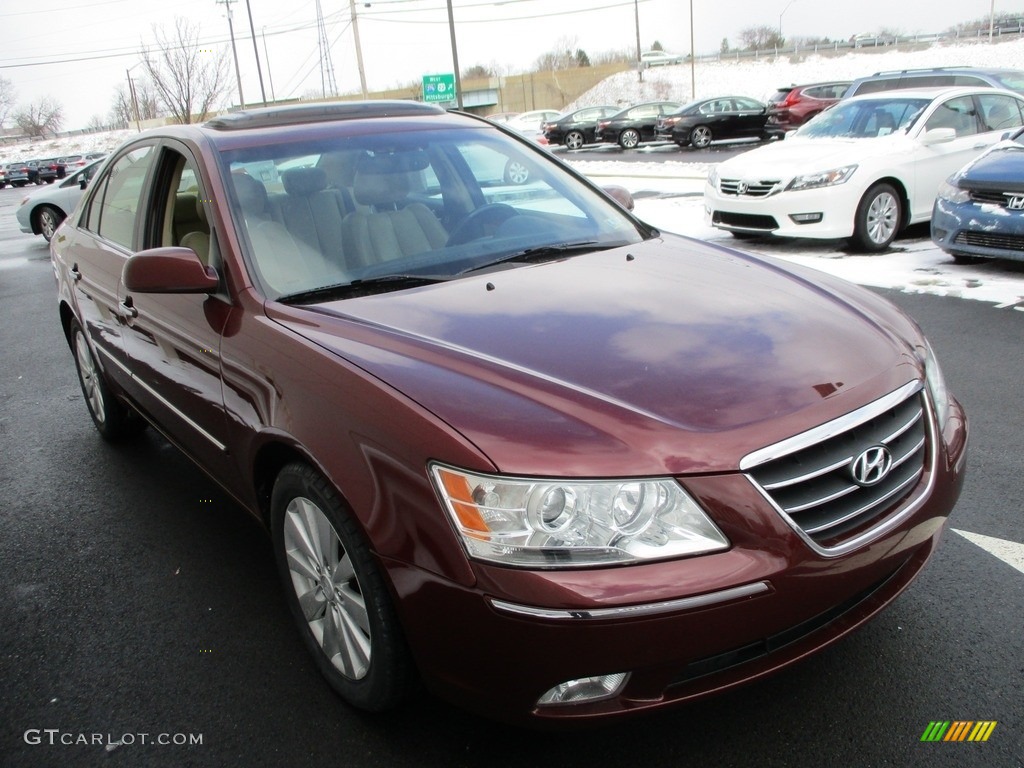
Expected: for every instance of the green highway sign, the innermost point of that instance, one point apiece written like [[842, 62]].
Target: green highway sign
[[438, 88]]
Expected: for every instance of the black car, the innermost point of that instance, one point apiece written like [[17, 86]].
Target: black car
[[634, 125], [724, 117], [47, 171], [574, 129], [20, 173]]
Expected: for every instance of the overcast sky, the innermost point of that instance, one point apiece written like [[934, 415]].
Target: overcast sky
[[403, 39]]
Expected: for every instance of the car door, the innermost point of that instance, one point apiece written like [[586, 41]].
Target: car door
[[934, 163], [748, 117], [173, 340], [102, 240]]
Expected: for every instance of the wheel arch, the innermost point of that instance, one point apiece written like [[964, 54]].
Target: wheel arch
[[900, 188], [270, 458]]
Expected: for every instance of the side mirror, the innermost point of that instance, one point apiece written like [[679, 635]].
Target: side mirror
[[621, 195], [169, 270], [938, 136], [83, 183]]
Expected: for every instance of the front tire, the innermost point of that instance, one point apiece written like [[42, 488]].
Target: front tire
[[516, 172], [574, 140], [629, 138], [701, 136], [113, 419], [48, 218], [878, 218], [336, 592]]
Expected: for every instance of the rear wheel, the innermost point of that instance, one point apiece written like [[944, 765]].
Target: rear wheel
[[701, 136], [48, 218], [113, 419], [877, 219], [574, 140], [516, 172], [629, 138], [336, 592]]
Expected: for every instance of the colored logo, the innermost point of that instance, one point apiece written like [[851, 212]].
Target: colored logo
[[958, 730]]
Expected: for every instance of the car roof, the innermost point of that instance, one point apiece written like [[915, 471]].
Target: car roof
[[931, 93]]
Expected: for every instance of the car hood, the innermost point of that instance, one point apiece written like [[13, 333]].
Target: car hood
[[1001, 167], [666, 357], [797, 155]]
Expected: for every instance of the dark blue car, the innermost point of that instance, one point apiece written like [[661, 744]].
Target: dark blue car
[[979, 210]]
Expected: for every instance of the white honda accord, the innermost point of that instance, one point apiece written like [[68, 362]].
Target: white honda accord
[[863, 169]]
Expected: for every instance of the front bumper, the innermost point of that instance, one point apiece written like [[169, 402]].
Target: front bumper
[[774, 214], [680, 629], [973, 229]]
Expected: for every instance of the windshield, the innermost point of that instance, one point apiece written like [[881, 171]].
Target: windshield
[[435, 204], [866, 119]]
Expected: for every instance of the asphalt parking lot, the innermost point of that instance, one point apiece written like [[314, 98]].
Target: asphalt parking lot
[[140, 605]]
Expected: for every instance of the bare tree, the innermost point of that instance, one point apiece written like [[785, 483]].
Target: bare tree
[[761, 38], [6, 99], [40, 118], [189, 81], [566, 55], [122, 111]]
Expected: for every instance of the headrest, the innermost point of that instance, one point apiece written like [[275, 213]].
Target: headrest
[[252, 195], [185, 207], [303, 182], [201, 210], [383, 179]]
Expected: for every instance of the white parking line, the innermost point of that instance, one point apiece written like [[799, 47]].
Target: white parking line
[[1010, 552]]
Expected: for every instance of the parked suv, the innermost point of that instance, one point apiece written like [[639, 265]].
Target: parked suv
[[938, 77], [793, 105]]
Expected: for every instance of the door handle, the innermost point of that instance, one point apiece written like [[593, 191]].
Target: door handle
[[126, 309], [76, 275]]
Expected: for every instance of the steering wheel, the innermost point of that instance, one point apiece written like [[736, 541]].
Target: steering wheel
[[480, 222]]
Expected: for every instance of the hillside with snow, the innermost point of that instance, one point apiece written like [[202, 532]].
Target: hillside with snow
[[761, 77]]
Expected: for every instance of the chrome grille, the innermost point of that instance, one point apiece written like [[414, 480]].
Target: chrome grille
[[738, 187], [814, 484], [994, 197], [988, 196]]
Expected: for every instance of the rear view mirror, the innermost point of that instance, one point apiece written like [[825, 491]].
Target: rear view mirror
[[168, 270], [621, 195]]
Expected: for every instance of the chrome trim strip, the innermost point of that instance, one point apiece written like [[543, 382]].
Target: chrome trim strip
[[831, 428], [809, 476], [629, 611], [904, 428], [219, 445]]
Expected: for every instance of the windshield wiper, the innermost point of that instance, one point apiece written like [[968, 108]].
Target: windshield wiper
[[544, 252], [360, 288]]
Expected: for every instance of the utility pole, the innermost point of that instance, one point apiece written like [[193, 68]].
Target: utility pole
[[270, 73], [234, 50], [455, 55], [639, 58], [359, 48], [693, 59], [256, 52]]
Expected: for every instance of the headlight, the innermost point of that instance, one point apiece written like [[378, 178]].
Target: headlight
[[949, 191], [936, 384], [713, 177], [822, 178], [571, 523]]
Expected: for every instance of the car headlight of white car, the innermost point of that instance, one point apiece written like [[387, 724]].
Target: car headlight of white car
[[553, 523], [950, 192], [828, 178]]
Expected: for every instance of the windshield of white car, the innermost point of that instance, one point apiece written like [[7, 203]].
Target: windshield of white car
[[323, 213], [867, 119]]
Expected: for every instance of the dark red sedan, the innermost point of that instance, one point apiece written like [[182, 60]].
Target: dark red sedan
[[792, 106], [506, 438]]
